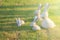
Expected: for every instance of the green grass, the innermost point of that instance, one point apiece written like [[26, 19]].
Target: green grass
[[8, 13]]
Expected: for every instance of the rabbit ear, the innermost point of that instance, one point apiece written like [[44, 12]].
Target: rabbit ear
[[17, 18], [46, 6], [40, 6]]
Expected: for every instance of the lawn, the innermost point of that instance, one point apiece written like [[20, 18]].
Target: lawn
[[9, 13]]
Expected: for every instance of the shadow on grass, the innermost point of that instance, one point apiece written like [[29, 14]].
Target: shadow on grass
[[18, 6], [14, 27], [16, 12]]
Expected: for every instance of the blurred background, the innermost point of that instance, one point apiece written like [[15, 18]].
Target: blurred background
[[11, 9]]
